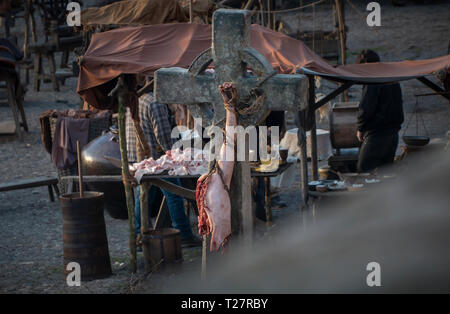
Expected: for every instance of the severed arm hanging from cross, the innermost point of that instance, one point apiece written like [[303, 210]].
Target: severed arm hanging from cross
[[198, 89]]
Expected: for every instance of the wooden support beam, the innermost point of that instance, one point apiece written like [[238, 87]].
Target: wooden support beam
[[304, 171], [249, 4], [434, 87], [143, 198], [159, 182], [333, 94], [341, 28], [14, 106], [267, 197], [148, 87], [27, 183], [313, 132], [51, 63], [342, 36], [120, 91]]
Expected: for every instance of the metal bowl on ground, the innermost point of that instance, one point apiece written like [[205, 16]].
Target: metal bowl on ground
[[355, 178], [416, 140], [312, 185], [322, 188]]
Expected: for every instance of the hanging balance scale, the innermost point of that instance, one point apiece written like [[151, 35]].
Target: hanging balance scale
[[416, 140]]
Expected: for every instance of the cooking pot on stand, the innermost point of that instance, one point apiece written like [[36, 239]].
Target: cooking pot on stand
[[94, 164]]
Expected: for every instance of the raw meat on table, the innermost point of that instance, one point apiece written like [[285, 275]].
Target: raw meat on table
[[177, 162]]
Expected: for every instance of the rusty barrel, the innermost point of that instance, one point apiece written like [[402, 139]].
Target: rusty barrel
[[343, 117], [163, 246], [84, 234]]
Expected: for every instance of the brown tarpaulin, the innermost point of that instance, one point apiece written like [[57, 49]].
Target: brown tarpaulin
[[145, 49], [135, 12]]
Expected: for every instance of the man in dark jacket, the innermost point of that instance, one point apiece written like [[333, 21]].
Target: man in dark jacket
[[379, 119]]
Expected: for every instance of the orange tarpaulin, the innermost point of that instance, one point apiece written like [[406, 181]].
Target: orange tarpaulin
[[135, 12], [145, 49]]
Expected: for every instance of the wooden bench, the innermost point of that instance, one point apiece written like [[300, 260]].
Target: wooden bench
[[51, 183]]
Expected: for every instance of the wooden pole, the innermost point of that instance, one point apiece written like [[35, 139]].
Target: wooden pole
[[274, 20], [80, 175], [32, 24], [141, 141], [311, 103], [342, 36], [204, 246], [143, 196], [121, 91], [161, 207], [341, 28], [249, 4], [190, 11], [268, 201], [26, 35], [300, 121], [261, 7], [304, 171], [187, 113], [10, 85]]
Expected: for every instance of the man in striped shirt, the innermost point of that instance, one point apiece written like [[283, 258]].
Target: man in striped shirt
[[157, 123]]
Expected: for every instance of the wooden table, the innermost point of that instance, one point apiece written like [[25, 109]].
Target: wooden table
[[335, 193], [158, 180]]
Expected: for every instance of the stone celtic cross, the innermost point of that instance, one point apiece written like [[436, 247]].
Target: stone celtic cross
[[232, 56]]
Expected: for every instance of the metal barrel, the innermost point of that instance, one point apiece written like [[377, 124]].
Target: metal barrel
[[84, 234], [343, 118], [163, 246]]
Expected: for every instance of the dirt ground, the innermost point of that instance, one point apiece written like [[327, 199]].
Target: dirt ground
[[31, 226]]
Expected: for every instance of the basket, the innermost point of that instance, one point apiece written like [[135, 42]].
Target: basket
[[96, 128]]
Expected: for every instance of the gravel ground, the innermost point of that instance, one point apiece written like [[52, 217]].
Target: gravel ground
[[31, 225]]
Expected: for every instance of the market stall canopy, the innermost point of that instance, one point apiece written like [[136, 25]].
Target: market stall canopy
[[143, 12], [146, 49], [135, 12]]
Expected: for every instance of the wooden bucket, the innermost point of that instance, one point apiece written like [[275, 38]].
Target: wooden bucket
[[163, 246], [84, 234]]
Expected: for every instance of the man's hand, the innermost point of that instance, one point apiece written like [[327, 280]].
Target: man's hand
[[360, 136]]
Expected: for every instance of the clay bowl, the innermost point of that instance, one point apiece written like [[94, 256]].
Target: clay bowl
[[322, 188], [355, 187]]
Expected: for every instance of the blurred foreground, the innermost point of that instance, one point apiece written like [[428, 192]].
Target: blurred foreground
[[402, 224]]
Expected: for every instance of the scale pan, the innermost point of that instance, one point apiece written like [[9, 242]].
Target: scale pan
[[416, 140]]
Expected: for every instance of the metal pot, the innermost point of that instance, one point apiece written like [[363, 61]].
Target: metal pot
[[92, 155], [94, 163], [343, 118]]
